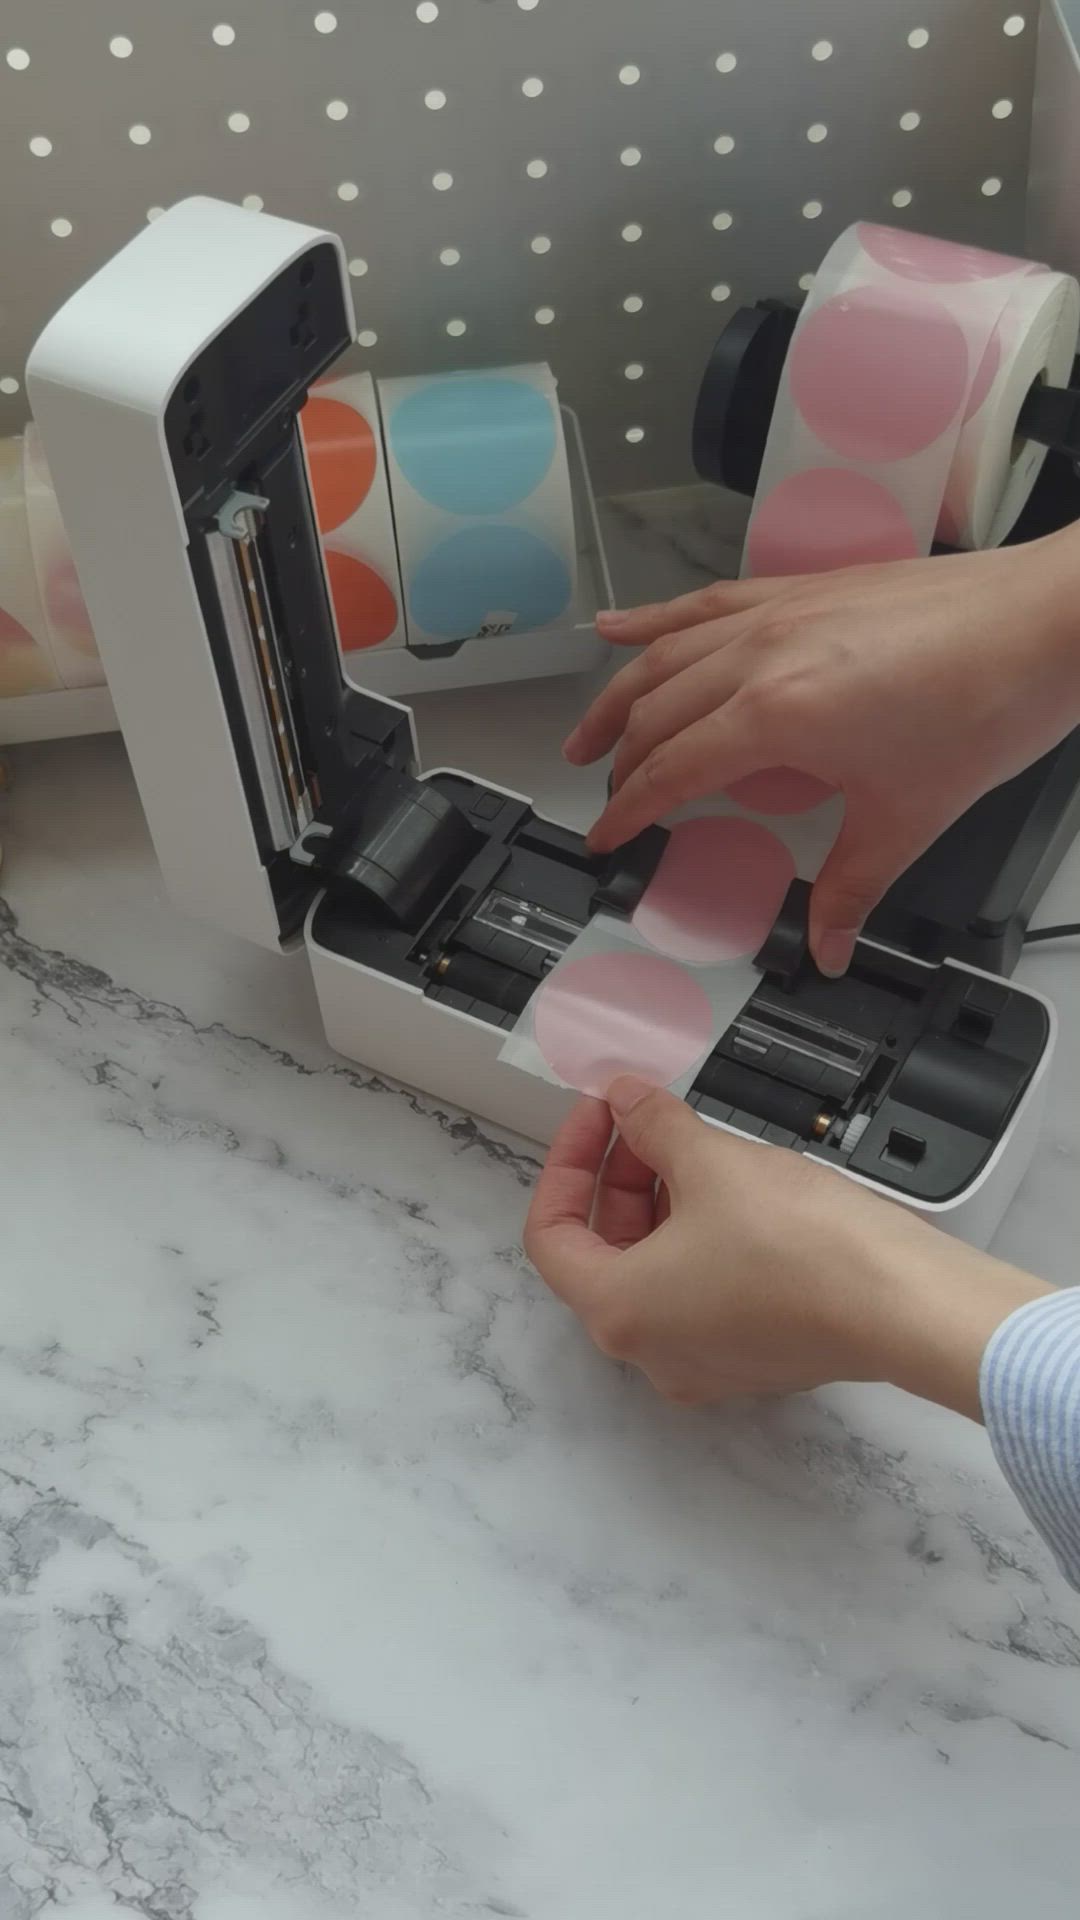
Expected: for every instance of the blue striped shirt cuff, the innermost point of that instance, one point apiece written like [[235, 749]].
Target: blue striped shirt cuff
[[1030, 1390]]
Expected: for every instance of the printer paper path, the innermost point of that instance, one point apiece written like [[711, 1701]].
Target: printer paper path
[[653, 995]]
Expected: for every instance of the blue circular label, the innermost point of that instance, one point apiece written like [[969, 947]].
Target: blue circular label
[[489, 580], [474, 446]]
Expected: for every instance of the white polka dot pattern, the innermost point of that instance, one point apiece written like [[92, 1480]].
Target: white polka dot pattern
[[587, 169]]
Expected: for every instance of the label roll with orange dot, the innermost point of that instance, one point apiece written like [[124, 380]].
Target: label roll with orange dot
[[347, 464]]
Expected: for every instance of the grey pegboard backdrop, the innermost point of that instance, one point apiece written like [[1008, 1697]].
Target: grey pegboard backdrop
[[590, 181]]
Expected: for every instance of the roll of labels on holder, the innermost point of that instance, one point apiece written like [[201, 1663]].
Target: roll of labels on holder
[[444, 504], [908, 406]]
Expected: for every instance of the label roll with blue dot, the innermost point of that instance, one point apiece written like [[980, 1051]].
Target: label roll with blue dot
[[482, 504]]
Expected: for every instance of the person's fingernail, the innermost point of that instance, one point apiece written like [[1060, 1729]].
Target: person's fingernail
[[573, 748], [626, 1093], [834, 951], [612, 620]]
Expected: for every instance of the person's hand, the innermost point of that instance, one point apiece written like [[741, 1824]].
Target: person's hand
[[750, 1270], [912, 687]]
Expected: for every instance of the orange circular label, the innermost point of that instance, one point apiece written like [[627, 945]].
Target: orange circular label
[[342, 459], [366, 608]]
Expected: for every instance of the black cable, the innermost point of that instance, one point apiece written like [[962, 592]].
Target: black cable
[[1051, 933]]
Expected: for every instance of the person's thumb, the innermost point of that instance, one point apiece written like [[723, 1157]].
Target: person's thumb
[[860, 869], [658, 1128]]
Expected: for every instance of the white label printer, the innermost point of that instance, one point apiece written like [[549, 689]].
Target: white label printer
[[286, 805]]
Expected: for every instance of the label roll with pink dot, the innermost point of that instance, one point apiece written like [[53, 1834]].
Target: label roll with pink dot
[[70, 635], [896, 421]]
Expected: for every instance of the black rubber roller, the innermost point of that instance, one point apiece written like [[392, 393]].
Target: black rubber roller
[[966, 1086], [779, 1105]]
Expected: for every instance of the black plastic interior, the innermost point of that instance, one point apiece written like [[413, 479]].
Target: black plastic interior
[[933, 1061]]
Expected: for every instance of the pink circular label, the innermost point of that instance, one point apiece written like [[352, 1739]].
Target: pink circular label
[[879, 375], [917, 256], [779, 790], [827, 517], [613, 1013], [717, 891]]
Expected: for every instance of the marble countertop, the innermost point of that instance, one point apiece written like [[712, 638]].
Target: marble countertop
[[341, 1580]]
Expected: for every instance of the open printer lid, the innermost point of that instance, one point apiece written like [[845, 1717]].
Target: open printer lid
[[167, 391]]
